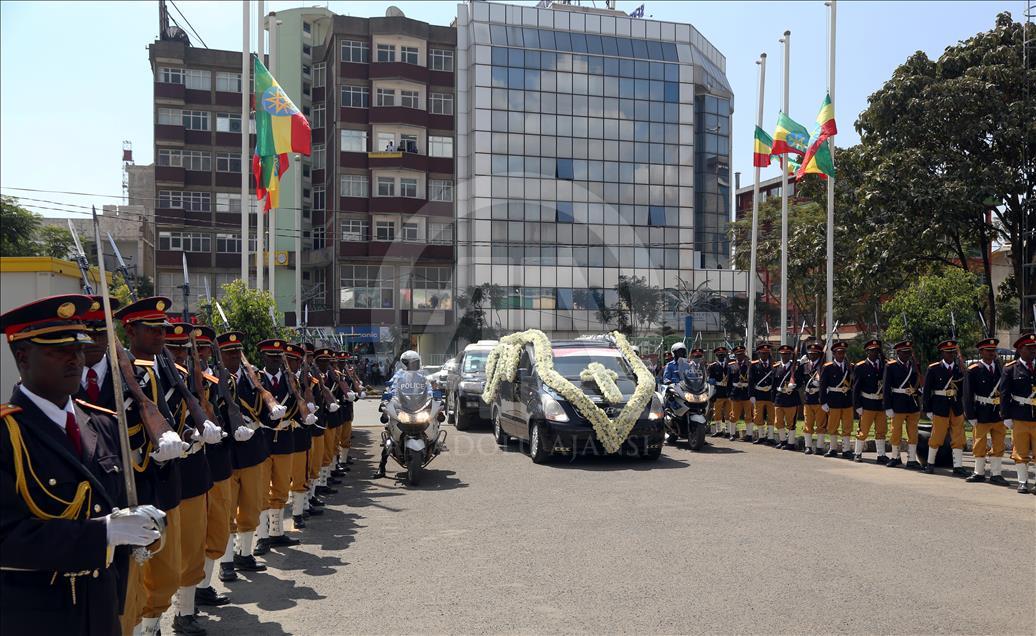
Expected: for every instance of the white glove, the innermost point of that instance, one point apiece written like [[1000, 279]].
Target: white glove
[[752, 400], [311, 419], [211, 434], [332, 407], [351, 396], [859, 411], [928, 415], [243, 433], [312, 407], [1009, 423], [133, 527], [791, 385], [826, 408], [889, 413], [170, 446], [973, 423], [363, 394], [278, 412]]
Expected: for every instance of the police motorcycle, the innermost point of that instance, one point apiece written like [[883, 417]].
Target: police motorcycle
[[412, 418], [688, 404]]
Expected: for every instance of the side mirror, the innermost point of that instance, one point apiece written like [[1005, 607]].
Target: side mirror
[[442, 416], [384, 418]]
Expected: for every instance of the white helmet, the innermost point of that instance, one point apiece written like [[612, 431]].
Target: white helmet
[[678, 346], [411, 360]]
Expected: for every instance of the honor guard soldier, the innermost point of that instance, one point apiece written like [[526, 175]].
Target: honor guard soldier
[[717, 375], [62, 564], [788, 376], [341, 461], [96, 386], [902, 389], [270, 532], [868, 400], [328, 407], [334, 426], [814, 419], [761, 384], [944, 405], [293, 355], [1018, 407], [982, 408], [144, 322], [836, 379], [740, 404]]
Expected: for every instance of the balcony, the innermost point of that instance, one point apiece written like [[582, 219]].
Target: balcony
[[169, 92], [416, 251], [398, 115], [199, 97], [169, 174], [406, 160], [164, 132], [399, 70]]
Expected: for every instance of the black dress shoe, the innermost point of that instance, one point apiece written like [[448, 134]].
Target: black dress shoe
[[759, 440], [858, 459], [326, 490], [770, 442], [780, 445], [282, 540], [316, 512], [247, 563], [883, 459], [1022, 489], [187, 625], [895, 461], [349, 461], [334, 481], [337, 472], [809, 450], [262, 546], [747, 438], [913, 464], [998, 480], [209, 596], [299, 521], [847, 455], [975, 479], [226, 572], [378, 474], [960, 471], [791, 446], [831, 453], [316, 502], [928, 469]]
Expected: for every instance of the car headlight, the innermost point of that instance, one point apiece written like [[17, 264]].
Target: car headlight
[[552, 409], [656, 411], [473, 387]]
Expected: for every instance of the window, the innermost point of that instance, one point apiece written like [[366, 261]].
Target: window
[[228, 82], [318, 158], [366, 287], [386, 53], [170, 75], [319, 197], [196, 120], [440, 146], [409, 99], [319, 74], [354, 140], [198, 80], [430, 288], [319, 237], [407, 143], [441, 233], [354, 185], [407, 188], [440, 103], [170, 117], [228, 162], [317, 121], [228, 122], [440, 190], [407, 54], [565, 170], [356, 230], [656, 216], [227, 202], [355, 97], [386, 97], [386, 187], [197, 160], [307, 50], [228, 243], [410, 231], [307, 27], [385, 231], [355, 52], [177, 200], [184, 242], [440, 59]]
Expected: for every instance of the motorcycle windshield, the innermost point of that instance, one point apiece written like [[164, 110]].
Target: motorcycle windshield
[[693, 375], [413, 390]]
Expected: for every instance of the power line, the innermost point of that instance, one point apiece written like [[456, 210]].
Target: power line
[[188, 22]]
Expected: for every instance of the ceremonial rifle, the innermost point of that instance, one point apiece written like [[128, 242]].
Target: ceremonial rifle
[[253, 378], [81, 260], [913, 357], [123, 269], [960, 358], [195, 375]]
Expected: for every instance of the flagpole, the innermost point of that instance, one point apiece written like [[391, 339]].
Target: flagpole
[[273, 212], [786, 41], [245, 207], [752, 275], [260, 214], [831, 184], [296, 214]]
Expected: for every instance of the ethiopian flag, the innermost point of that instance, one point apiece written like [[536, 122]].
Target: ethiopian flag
[[824, 129], [763, 148], [790, 136], [268, 172], [279, 126], [819, 162]]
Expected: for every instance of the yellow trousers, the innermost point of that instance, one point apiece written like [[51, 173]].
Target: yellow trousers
[[877, 420], [843, 417], [765, 412], [910, 420], [720, 411], [814, 419], [135, 597], [217, 528], [247, 491], [330, 446], [741, 410], [345, 435], [161, 573], [316, 455], [298, 471], [997, 431], [955, 424], [786, 417], [1023, 436], [280, 481], [193, 521]]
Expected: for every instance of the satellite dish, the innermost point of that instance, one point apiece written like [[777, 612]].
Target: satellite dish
[[394, 12]]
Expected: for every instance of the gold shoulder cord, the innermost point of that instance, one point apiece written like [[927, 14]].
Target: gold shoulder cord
[[153, 381], [84, 493]]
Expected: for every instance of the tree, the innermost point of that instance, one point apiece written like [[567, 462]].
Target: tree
[[472, 326], [248, 311], [55, 241], [930, 305], [639, 304], [18, 227]]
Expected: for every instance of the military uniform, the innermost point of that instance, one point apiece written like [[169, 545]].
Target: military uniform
[[788, 377], [814, 419], [868, 400], [982, 409], [740, 405], [902, 387], [943, 401], [1018, 408], [761, 389], [836, 401], [301, 443], [717, 375]]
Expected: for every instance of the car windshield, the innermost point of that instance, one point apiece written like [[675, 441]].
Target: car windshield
[[570, 362], [475, 361]]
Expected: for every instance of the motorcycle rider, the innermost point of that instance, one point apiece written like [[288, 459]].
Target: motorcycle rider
[[672, 368], [411, 361]]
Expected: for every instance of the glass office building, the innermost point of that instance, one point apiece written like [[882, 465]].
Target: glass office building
[[591, 146]]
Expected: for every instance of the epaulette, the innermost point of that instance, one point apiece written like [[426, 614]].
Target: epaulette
[[860, 362], [314, 381], [973, 365], [9, 409], [143, 363], [94, 407], [1011, 363], [828, 363], [211, 378], [934, 364], [180, 369]]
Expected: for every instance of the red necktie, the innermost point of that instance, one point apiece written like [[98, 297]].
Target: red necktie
[[93, 391], [275, 382], [72, 430]]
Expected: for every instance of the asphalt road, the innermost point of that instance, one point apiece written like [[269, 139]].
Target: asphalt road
[[736, 539]]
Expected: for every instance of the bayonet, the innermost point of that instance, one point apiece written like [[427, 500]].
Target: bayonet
[[81, 261], [186, 290], [953, 325], [122, 268], [985, 327]]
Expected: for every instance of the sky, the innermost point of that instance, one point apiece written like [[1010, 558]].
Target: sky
[[75, 79]]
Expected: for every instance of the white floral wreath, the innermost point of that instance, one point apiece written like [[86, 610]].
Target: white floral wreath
[[502, 364]]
